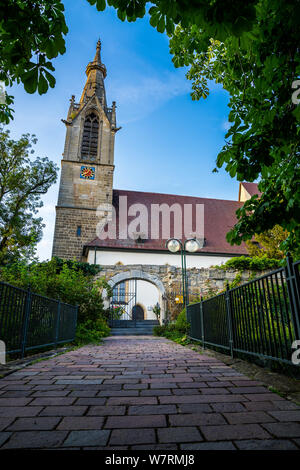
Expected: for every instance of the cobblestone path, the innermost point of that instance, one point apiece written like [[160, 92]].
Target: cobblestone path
[[141, 393]]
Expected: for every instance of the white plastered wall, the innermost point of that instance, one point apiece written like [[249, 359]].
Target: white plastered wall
[[107, 258]]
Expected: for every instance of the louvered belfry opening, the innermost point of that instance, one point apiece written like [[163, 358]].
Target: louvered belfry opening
[[89, 144]]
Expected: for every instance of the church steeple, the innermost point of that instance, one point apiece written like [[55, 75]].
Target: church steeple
[[96, 73], [87, 166]]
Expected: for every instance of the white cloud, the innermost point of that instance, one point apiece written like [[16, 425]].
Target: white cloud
[[225, 125], [143, 94]]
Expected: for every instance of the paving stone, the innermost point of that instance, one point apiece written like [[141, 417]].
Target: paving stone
[[196, 419], [79, 382], [297, 442], [118, 393], [63, 410], [269, 444], [4, 437], [90, 401], [50, 393], [155, 393], [225, 445], [214, 391], [15, 393], [228, 407], [286, 415], [201, 399], [194, 408], [152, 409], [234, 431], [283, 429], [132, 401], [260, 406], [55, 401], [5, 422], [19, 411], [32, 424], [135, 386], [248, 417], [83, 393], [81, 423], [269, 396], [14, 401], [87, 438], [148, 421], [155, 447], [35, 439], [106, 410], [286, 405], [247, 390], [132, 436], [180, 434]]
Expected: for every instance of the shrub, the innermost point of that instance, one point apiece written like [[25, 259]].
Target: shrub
[[91, 332], [159, 330], [255, 263], [176, 331], [181, 322], [69, 281]]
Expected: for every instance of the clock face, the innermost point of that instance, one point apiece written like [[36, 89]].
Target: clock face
[[87, 172]]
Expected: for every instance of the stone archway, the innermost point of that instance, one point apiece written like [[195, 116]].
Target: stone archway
[[144, 276]]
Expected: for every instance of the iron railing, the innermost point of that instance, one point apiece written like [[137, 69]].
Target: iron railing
[[259, 318], [30, 321]]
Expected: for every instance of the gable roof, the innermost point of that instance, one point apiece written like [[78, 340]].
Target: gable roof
[[251, 188], [219, 218]]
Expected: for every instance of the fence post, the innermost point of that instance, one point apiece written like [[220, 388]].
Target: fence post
[[26, 321], [229, 318], [293, 294], [202, 323], [57, 323]]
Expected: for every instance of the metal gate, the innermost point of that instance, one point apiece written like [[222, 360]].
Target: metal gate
[[122, 312]]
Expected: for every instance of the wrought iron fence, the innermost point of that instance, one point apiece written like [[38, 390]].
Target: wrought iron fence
[[29, 321], [259, 318]]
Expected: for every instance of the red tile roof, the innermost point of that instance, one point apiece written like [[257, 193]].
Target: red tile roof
[[219, 218]]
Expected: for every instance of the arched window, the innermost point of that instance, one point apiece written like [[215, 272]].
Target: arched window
[[89, 145]]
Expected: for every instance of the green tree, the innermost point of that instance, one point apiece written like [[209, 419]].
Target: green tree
[[268, 243], [251, 48], [258, 70], [31, 34], [22, 183]]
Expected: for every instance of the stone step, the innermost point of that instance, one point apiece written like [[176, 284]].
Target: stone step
[[131, 331], [134, 324]]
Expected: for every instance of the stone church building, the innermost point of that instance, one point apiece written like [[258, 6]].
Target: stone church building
[[138, 265]]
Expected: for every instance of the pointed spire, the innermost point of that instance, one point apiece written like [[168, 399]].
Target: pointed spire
[[97, 64], [97, 58], [96, 73]]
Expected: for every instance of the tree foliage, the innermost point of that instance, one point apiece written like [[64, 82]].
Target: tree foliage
[[31, 35], [268, 244], [257, 69], [67, 281], [251, 48], [22, 183]]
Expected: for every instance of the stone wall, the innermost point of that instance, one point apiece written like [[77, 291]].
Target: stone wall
[[66, 243], [201, 281]]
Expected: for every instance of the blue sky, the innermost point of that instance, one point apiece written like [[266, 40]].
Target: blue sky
[[168, 143]]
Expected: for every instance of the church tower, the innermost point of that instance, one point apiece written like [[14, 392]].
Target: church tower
[[87, 166]]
